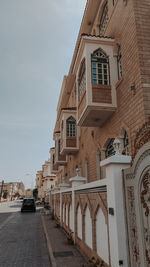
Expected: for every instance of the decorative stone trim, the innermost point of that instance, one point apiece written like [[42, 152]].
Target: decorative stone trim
[[142, 137]]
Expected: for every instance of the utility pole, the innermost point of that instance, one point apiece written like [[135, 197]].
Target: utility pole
[[1, 190]]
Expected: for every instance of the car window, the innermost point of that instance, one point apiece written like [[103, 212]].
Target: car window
[[28, 201]]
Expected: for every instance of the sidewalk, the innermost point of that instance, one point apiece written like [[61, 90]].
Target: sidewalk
[[61, 253]]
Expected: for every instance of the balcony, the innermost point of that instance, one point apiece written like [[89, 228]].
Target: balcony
[[97, 75], [60, 160], [53, 165], [69, 143]]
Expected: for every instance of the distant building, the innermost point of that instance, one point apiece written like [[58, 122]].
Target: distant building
[[11, 190], [29, 193], [45, 181]]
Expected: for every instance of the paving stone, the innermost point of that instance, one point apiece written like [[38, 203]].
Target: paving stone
[[22, 242]]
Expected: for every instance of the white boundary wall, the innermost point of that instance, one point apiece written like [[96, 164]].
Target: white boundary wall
[[115, 200]]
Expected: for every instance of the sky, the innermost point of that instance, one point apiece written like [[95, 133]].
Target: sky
[[37, 40]]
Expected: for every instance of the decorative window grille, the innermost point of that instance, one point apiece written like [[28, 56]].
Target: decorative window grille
[[100, 68], [110, 149], [119, 62], [81, 80], [71, 126], [104, 19]]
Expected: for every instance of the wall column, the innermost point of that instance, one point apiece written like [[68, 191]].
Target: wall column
[[116, 208]]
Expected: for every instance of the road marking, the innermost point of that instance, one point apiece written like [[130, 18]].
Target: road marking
[[6, 221]]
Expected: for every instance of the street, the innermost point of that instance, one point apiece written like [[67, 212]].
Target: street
[[22, 240]]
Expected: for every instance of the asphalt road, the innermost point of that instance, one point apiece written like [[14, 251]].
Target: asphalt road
[[22, 240]]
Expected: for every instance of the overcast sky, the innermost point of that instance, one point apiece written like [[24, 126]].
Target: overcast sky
[[37, 40]]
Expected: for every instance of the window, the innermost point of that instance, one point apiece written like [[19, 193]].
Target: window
[[86, 168], [53, 159], [119, 62], [110, 149], [62, 126], [81, 80], [100, 68], [59, 146], [113, 2], [125, 144], [104, 19], [98, 159], [71, 126]]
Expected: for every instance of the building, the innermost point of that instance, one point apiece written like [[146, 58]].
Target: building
[[45, 181], [29, 193], [102, 135], [12, 190]]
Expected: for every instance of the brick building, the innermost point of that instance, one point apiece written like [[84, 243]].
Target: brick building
[[103, 128]]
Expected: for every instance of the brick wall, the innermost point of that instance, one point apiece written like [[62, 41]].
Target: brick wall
[[142, 19], [133, 108], [101, 94]]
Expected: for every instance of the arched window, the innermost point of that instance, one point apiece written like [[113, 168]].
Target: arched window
[[59, 146], [71, 126], [86, 168], [100, 68], [119, 62], [81, 80], [53, 159], [110, 149], [104, 19], [98, 159]]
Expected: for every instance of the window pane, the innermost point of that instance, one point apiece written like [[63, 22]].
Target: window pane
[[99, 70], [93, 70], [94, 81], [100, 81], [94, 76]]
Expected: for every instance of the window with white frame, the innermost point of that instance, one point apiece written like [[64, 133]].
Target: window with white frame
[[104, 19], [100, 68], [81, 80], [71, 126], [119, 62]]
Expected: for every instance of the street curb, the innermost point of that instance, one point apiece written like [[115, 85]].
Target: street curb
[[49, 246]]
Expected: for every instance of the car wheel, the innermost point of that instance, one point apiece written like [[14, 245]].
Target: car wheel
[[21, 210]]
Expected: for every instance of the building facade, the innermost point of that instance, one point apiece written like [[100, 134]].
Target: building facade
[[12, 190], [102, 135], [45, 181]]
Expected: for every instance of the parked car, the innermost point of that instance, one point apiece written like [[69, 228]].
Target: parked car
[[28, 204]]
